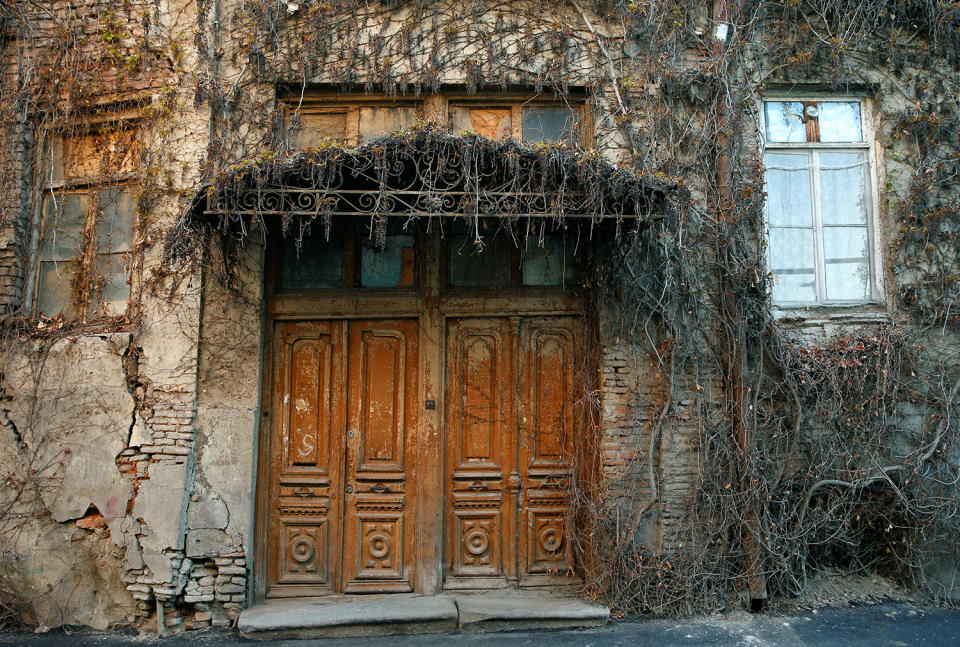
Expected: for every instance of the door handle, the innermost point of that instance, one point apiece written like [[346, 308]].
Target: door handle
[[380, 488], [478, 485], [303, 491]]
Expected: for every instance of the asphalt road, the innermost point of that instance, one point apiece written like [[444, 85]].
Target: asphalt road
[[876, 625]]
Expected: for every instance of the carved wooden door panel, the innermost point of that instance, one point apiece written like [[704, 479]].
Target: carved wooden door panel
[[343, 433], [510, 422], [480, 436], [378, 545], [548, 417], [307, 407]]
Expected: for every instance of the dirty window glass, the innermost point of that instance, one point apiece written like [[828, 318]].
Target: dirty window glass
[[88, 217], [481, 255], [115, 240], [548, 260], [318, 263], [116, 220], [391, 265], [549, 123], [64, 219]]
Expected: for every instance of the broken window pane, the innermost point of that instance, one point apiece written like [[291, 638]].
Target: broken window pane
[[784, 121], [481, 255], [319, 263], [839, 121], [383, 121], [97, 154], [549, 123]]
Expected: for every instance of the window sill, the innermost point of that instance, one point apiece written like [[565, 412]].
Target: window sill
[[821, 316]]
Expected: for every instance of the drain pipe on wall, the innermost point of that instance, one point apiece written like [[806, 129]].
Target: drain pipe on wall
[[725, 15]]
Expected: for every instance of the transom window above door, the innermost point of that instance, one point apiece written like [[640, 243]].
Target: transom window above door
[[357, 252], [350, 122], [492, 253], [523, 121], [820, 213], [346, 253]]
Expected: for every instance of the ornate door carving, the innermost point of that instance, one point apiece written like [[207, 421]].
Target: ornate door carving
[[378, 550], [343, 423], [510, 422], [307, 414]]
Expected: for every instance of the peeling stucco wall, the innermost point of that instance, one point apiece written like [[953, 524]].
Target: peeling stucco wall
[[67, 416]]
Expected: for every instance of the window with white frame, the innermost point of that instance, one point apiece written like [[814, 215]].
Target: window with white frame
[[819, 206]]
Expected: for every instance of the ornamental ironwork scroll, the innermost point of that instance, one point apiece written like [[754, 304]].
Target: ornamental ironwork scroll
[[428, 172]]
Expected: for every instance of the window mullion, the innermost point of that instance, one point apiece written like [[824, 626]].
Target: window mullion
[[819, 267], [88, 255]]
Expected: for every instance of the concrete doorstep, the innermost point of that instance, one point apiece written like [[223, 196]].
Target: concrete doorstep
[[378, 615]]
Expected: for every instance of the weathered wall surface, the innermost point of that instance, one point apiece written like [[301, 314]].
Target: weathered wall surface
[[67, 527], [220, 515], [130, 450]]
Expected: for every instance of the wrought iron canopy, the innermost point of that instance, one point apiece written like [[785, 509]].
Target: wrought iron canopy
[[428, 172]]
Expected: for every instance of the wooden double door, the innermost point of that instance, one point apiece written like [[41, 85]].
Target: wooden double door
[[511, 412], [361, 496]]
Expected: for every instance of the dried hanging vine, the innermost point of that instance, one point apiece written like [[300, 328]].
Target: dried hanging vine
[[844, 459]]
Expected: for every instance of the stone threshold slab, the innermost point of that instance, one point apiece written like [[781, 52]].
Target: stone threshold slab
[[511, 610], [365, 615], [349, 616]]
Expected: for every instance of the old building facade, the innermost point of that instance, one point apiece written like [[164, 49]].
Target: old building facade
[[655, 301]]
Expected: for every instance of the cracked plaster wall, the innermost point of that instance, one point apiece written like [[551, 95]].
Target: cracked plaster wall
[[67, 415]]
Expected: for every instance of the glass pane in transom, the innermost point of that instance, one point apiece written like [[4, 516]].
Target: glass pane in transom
[[843, 188], [549, 123], [840, 121], [390, 264], [549, 260], [784, 121], [481, 254], [317, 261], [788, 190]]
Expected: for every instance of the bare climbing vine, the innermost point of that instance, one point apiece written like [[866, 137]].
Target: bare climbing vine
[[812, 451]]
